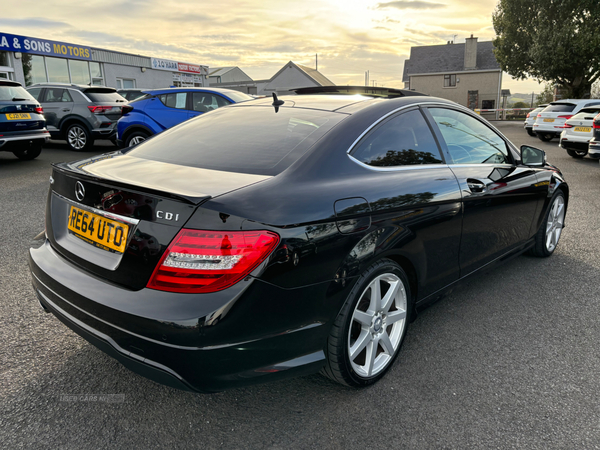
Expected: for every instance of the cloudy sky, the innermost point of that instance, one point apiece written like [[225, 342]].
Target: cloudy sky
[[259, 36]]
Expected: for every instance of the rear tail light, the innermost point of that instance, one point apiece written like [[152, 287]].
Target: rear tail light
[[528, 114], [539, 115], [208, 261], [100, 109], [597, 122], [39, 110], [566, 125], [566, 117], [126, 109]]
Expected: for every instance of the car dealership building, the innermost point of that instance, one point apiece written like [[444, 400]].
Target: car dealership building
[[30, 60]]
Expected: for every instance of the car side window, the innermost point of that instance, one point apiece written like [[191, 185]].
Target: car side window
[[55, 95], [66, 97], [401, 141], [35, 93], [175, 100], [204, 102], [469, 141]]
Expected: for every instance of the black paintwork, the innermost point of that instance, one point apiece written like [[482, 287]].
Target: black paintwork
[[335, 217]]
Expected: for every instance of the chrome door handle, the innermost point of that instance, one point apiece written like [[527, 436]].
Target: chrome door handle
[[476, 185]]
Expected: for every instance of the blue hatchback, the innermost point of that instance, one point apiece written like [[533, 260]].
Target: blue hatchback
[[160, 109]]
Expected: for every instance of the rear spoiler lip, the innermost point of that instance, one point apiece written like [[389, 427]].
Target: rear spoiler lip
[[70, 171]]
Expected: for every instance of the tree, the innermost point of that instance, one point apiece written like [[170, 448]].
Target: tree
[[546, 96], [556, 41], [519, 105]]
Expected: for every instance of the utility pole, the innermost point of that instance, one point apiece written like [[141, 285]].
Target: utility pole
[[316, 61], [532, 99], [374, 83]]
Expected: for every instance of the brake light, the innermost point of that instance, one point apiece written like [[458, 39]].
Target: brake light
[[567, 117], [539, 115], [200, 261], [566, 125], [39, 110], [528, 114], [99, 109], [596, 123]]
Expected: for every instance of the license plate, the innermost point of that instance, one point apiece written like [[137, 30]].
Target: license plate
[[548, 120], [18, 116], [583, 129], [97, 230]]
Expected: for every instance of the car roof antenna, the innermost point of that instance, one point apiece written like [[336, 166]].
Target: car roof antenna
[[276, 102]]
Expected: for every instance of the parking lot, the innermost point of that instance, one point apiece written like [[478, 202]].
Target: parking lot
[[508, 360]]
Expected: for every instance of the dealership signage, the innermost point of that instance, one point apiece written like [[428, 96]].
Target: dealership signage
[[175, 66], [24, 44]]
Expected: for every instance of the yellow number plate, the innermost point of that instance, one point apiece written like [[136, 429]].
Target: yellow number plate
[[99, 231], [583, 129], [548, 120], [18, 116]]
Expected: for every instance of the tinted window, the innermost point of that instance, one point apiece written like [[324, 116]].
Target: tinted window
[[401, 141], [55, 95], [559, 107], [469, 141], [246, 139], [592, 104], [35, 92], [204, 102], [586, 115], [174, 100], [10, 92], [104, 95]]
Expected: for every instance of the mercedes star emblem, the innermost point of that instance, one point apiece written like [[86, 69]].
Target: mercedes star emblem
[[79, 191]]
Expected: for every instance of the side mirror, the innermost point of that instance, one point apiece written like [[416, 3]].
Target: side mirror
[[532, 156]]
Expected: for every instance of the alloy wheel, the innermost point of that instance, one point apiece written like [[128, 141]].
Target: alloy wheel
[[555, 222], [136, 140], [377, 325], [77, 137]]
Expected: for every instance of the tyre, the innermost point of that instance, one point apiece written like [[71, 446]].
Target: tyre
[[546, 239], [78, 137], [578, 154], [546, 137], [135, 138], [367, 334], [530, 132], [28, 153]]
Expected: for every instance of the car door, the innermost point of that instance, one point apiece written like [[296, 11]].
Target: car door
[[169, 110], [204, 102], [413, 197], [57, 104], [499, 196]]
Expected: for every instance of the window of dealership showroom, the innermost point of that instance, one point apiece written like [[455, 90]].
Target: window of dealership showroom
[[5, 69], [41, 69]]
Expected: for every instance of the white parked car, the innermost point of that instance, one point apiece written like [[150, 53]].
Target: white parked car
[[530, 119], [578, 132], [549, 123], [594, 148]]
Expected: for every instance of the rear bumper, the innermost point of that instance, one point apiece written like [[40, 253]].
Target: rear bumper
[[574, 145], [13, 141], [105, 133], [594, 149], [188, 342]]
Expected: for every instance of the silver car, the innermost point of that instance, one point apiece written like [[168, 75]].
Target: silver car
[[79, 114]]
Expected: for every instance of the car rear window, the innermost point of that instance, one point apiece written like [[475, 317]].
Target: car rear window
[[588, 114], [256, 140], [104, 96], [559, 107], [7, 93]]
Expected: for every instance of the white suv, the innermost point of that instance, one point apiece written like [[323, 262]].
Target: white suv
[[577, 132], [549, 123]]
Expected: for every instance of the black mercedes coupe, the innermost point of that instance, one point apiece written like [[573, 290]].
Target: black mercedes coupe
[[282, 237]]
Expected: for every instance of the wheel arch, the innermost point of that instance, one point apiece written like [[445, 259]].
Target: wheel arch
[[134, 128], [71, 120]]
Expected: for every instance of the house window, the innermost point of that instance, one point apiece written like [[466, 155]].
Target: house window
[[488, 104], [450, 80], [40, 69], [125, 83]]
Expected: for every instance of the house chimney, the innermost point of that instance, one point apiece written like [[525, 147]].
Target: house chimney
[[471, 53]]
